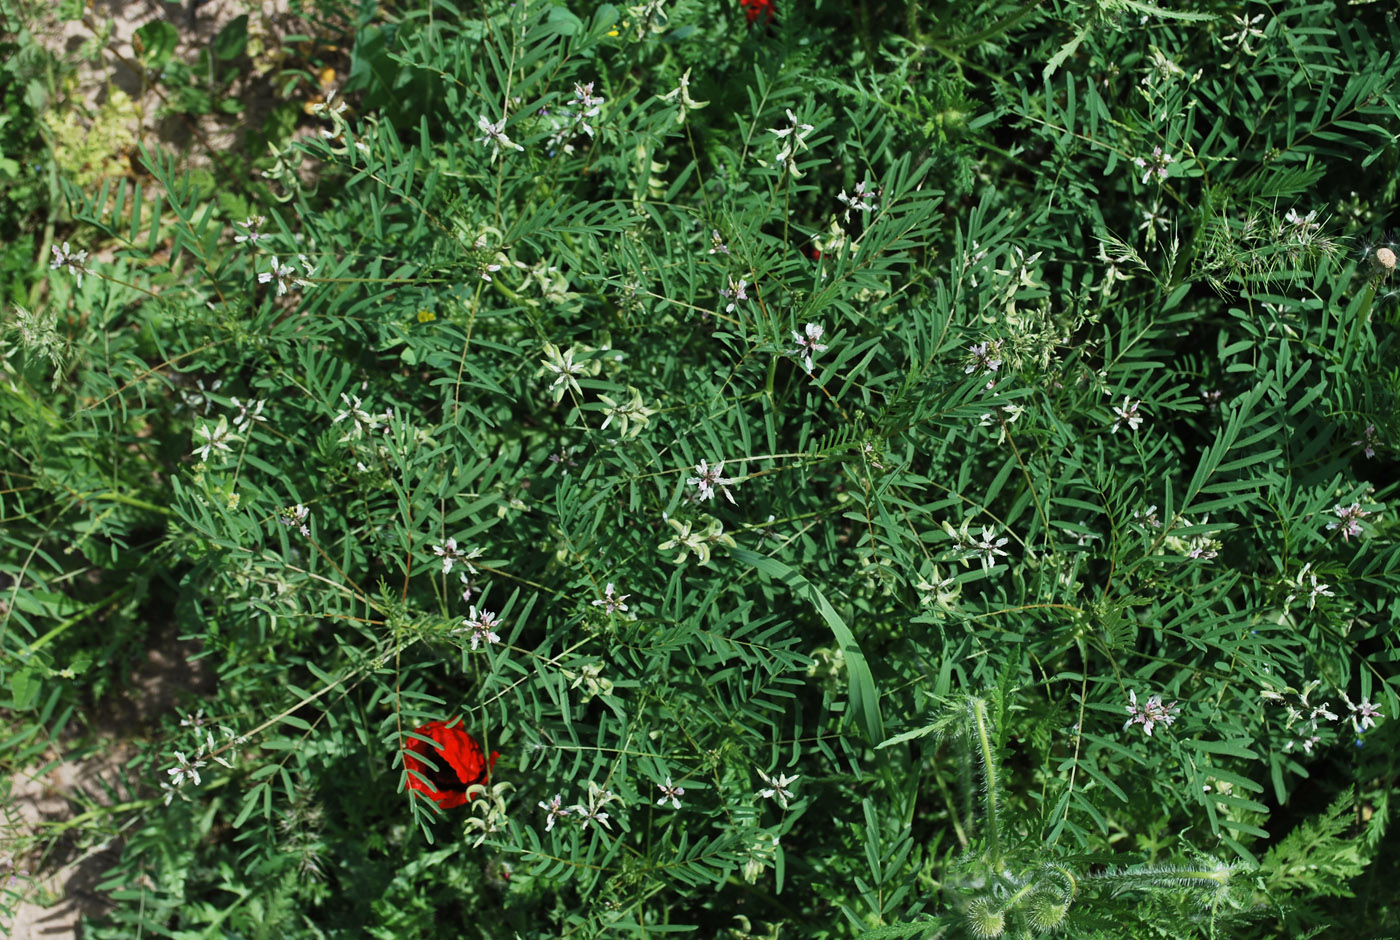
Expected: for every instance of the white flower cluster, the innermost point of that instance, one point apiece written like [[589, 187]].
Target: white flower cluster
[[588, 812], [186, 769], [1306, 721]]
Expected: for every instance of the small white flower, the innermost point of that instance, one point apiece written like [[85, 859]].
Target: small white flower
[[193, 721], [777, 788], [808, 345], [494, 135], [1150, 714], [1128, 414], [1364, 715], [361, 421], [328, 105], [593, 810], [216, 438], [988, 548], [451, 554], [1302, 224], [555, 810], [248, 413], [792, 140], [682, 91], [1155, 165], [1247, 29], [565, 370], [1307, 581], [709, 479], [984, 357], [482, 626], [296, 518], [611, 603], [1147, 517], [1202, 548], [253, 224], [734, 294], [1348, 520], [670, 792], [862, 200], [586, 105], [282, 273], [75, 261], [185, 769]]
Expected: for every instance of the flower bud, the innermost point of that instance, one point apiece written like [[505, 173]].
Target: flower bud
[[985, 921]]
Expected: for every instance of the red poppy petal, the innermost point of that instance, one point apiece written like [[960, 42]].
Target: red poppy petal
[[459, 763]]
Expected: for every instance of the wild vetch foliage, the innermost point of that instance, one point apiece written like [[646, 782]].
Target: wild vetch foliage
[[868, 470]]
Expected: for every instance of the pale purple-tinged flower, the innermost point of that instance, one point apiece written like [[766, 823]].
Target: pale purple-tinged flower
[[808, 344], [1302, 224], [710, 479], [611, 603], [593, 810], [862, 200], [984, 357], [296, 518], [1128, 414], [1155, 165], [670, 791], [494, 135], [1147, 517], [282, 273], [734, 294], [1150, 714], [1370, 439], [1348, 520], [777, 788], [1364, 715], [482, 626], [586, 105], [253, 225], [1203, 548], [554, 810], [248, 412], [451, 555], [185, 769], [75, 261]]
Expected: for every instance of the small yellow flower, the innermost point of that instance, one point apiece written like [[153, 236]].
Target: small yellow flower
[[426, 316]]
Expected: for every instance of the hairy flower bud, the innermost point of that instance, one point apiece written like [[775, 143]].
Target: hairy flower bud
[[985, 921], [1046, 911]]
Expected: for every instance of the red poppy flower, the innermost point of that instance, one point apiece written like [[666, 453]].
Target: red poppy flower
[[755, 10], [459, 760]]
